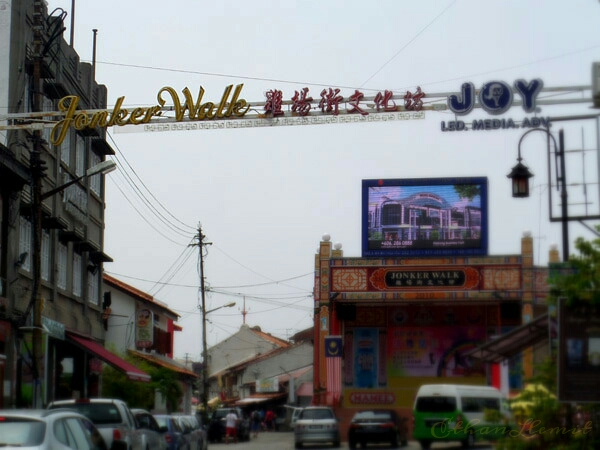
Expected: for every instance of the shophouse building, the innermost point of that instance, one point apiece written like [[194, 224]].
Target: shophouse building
[[142, 327], [51, 233], [386, 325], [244, 346]]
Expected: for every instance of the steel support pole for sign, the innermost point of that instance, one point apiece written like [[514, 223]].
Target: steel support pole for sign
[[563, 195]]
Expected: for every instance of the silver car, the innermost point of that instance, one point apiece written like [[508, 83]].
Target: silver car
[[194, 433], [42, 429], [316, 424], [150, 434]]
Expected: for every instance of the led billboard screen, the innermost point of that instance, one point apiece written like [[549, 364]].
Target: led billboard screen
[[424, 217]]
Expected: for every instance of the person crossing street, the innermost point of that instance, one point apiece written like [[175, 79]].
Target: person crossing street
[[230, 426]]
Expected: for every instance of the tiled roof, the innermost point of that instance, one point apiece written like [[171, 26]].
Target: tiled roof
[[136, 293], [163, 361], [270, 338]]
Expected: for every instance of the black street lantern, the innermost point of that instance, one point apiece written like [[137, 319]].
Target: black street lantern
[[520, 176]]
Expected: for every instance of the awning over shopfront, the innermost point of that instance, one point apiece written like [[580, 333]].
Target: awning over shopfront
[[132, 372], [260, 398], [163, 361], [513, 342], [296, 374], [213, 402], [305, 390]]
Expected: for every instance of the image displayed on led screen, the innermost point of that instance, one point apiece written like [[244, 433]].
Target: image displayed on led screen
[[425, 217]]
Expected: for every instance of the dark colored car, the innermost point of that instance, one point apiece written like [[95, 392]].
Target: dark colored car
[[376, 426], [216, 426], [171, 430]]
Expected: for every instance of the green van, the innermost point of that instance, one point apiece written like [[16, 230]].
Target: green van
[[454, 412]]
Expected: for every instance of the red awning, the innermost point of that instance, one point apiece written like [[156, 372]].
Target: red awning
[[132, 372]]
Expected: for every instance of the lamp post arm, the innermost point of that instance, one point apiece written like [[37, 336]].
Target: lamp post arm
[[544, 130], [561, 181], [101, 168], [58, 189], [228, 305]]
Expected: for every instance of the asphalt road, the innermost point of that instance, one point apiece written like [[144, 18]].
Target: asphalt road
[[284, 440]]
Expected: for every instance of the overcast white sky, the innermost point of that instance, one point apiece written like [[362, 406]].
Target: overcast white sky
[[265, 197]]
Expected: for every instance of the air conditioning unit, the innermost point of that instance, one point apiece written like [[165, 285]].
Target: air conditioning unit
[[596, 84]]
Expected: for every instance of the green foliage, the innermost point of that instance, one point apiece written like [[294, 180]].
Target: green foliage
[[167, 384], [469, 191], [136, 394], [139, 394], [544, 422], [580, 283]]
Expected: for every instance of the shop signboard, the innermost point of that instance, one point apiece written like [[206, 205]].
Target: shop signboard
[[144, 328], [578, 352], [267, 385], [424, 217]]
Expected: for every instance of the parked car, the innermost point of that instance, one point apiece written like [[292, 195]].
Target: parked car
[[193, 432], [295, 414], [112, 417], [171, 431], [451, 403], [317, 424], [375, 426], [151, 437], [216, 426], [42, 429]]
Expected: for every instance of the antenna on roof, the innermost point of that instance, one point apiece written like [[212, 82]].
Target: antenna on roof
[[244, 312]]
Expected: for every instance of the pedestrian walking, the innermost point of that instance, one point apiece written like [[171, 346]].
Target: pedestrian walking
[[255, 422], [230, 426], [269, 419]]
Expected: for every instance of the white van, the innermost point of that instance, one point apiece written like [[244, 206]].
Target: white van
[[455, 412]]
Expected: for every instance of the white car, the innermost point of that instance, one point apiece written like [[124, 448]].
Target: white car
[[295, 414], [41, 429], [112, 417]]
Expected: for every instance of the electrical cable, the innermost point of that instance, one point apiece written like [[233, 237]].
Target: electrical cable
[[263, 276], [408, 43], [157, 213], [174, 271], [145, 219], [462, 77]]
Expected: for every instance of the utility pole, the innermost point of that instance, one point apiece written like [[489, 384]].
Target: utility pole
[[201, 244], [37, 173]]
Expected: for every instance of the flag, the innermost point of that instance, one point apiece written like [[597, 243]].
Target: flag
[[333, 359]]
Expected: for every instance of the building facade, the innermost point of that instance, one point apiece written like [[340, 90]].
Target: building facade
[[52, 235], [385, 326], [241, 347], [139, 325]]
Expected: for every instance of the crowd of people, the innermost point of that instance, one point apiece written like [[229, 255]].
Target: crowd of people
[[260, 420]]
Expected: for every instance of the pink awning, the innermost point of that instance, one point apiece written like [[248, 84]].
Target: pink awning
[[132, 372], [305, 390]]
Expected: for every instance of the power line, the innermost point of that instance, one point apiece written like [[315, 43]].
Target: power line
[[173, 270], [408, 43], [187, 231], [319, 84], [144, 217]]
